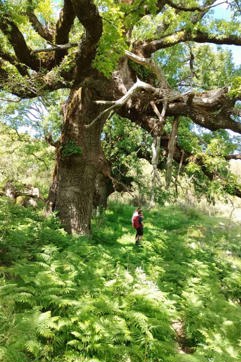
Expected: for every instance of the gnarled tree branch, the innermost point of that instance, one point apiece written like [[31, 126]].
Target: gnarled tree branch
[[207, 5], [120, 102], [63, 26], [43, 31], [22, 69], [16, 39], [89, 17], [149, 47]]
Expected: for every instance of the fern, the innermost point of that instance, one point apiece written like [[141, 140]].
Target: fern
[[70, 299], [34, 347]]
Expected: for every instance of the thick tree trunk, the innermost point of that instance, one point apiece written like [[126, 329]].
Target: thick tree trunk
[[78, 162], [103, 188]]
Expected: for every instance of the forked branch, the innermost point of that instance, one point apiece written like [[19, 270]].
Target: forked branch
[[139, 85]]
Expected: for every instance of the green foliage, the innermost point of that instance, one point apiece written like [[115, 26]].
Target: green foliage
[[69, 299], [187, 139], [208, 168], [121, 142], [146, 28], [70, 148], [136, 11], [17, 8], [112, 43], [209, 175], [23, 232], [221, 27], [219, 143], [24, 159], [211, 67], [236, 86]]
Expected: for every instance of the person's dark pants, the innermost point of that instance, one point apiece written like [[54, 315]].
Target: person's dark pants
[[139, 234]]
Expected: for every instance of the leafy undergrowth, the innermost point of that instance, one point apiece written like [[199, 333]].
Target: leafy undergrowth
[[69, 299]]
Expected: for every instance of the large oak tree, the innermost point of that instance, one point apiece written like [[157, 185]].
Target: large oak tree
[[111, 55]]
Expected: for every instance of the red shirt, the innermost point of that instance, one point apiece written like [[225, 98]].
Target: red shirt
[[137, 221]]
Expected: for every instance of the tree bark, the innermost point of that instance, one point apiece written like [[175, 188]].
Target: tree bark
[[78, 162], [103, 189]]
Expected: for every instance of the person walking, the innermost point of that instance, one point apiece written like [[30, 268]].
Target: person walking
[[137, 223]]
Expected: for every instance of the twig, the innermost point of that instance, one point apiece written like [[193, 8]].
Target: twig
[[10, 100], [55, 47]]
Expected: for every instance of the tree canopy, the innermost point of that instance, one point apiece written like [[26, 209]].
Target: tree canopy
[[153, 63]]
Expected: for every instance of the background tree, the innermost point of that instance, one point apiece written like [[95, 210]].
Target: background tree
[[24, 160], [113, 57]]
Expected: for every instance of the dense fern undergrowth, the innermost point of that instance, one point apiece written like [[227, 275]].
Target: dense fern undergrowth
[[69, 299]]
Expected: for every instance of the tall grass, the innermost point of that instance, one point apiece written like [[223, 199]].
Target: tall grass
[[69, 299]]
